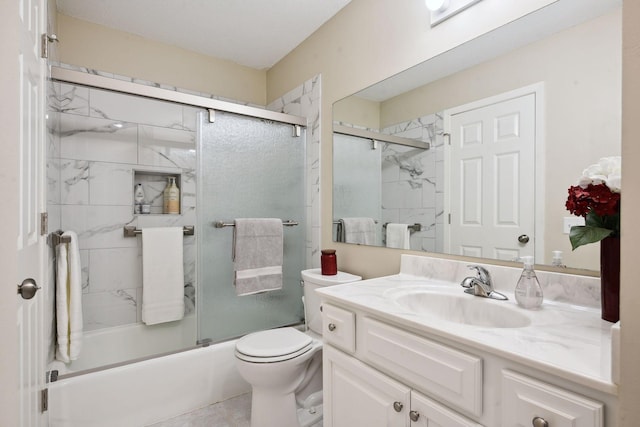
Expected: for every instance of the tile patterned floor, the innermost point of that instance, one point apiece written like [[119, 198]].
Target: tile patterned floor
[[235, 412]]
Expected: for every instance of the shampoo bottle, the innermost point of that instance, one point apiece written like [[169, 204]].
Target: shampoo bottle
[[171, 196], [528, 291], [138, 197]]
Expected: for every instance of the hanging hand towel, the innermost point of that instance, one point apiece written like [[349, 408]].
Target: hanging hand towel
[[359, 230], [398, 236], [68, 299], [162, 275], [257, 255]]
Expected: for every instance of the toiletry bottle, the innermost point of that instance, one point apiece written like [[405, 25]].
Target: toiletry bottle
[[528, 291], [557, 259], [171, 196], [138, 197]]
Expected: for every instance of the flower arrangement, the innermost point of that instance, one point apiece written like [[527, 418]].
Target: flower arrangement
[[597, 199]]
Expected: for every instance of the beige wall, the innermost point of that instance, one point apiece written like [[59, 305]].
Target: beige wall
[[581, 69], [94, 46], [358, 111], [630, 291]]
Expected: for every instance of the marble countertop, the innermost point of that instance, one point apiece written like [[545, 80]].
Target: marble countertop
[[569, 341]]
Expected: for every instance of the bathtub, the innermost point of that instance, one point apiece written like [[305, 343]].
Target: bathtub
[[143, 393], [130, 342]]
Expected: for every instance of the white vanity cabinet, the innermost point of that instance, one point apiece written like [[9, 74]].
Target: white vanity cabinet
[[360, 396], [377, 373], [356, 394]]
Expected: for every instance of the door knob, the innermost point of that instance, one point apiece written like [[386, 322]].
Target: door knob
[[28, 288], [523, 238], [414, 415], [398, 406], [332, 327], [539, 422]]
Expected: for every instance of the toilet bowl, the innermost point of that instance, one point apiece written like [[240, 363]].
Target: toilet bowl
[[284, 365]]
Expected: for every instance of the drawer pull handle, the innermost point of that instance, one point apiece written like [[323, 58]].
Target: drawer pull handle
[[398, 406], [414, 415], [539, 422], [332, 327]]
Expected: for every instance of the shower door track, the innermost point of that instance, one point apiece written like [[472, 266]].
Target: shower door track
[[100, 82]]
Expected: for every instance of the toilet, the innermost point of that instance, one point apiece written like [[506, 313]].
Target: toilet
[[284, 365]]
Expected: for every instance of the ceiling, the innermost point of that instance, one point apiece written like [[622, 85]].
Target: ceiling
[[254, 33]]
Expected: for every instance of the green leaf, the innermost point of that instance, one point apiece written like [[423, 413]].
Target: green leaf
[[584, 234]]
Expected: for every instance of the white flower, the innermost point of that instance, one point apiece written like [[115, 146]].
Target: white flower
[[606, 171]]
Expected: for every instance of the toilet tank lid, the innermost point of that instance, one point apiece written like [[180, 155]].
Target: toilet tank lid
[[315, 276]]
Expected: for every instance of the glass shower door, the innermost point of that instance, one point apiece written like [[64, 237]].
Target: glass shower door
[[248, 168]]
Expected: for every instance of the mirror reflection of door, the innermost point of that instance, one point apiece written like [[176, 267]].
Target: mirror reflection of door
[[491, 162]]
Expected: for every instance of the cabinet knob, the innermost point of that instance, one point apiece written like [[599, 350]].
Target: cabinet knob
[[398, 406], [539, 422], [332, 327], [414, 415]]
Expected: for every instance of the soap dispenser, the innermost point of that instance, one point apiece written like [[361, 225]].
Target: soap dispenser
[[528, 291]]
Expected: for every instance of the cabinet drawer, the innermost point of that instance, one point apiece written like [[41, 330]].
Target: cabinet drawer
[[524, 399], [433, 368], [426, 413], [339, 327]]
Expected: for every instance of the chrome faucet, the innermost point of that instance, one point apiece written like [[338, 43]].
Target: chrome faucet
[[480, 285]]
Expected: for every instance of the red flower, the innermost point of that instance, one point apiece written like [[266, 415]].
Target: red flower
[[597, 198]]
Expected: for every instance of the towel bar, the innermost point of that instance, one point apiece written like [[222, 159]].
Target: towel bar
[[56, 238], [412, 227], [130, 231], [221, 224]]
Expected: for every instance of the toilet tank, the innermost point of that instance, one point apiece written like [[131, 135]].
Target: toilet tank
[[312, 280]]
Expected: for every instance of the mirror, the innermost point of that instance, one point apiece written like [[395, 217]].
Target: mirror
[[561, 68]]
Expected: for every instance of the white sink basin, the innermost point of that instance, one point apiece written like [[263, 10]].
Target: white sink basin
[[460, 308]]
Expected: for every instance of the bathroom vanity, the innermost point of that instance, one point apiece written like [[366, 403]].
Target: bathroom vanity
[[413, 349]]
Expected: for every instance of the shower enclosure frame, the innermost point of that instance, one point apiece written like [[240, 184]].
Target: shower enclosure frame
[[65, 75]]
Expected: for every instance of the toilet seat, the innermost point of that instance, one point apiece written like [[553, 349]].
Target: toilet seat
[[273, 345]]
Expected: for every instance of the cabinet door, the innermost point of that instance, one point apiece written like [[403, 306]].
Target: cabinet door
[[525, 399], [356, 395], [428, 413]]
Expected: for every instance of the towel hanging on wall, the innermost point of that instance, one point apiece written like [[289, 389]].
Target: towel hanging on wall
[[359, 230], [398, 236], [162, 275], [257, 255], [68, 299]]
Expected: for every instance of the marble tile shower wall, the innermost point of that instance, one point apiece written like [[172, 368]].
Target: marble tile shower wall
[[304, 101], [412, 181], [97, 139]]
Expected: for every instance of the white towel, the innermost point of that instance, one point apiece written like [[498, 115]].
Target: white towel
[[162, 275], [359, 230], [68, 299], [257, 255], [398, 236]]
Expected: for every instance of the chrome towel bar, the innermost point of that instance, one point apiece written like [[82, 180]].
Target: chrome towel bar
[[131, 231], [221, 224]]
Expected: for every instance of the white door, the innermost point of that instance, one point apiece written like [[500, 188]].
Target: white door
[[30, 244], [359, 396], [492, 179]]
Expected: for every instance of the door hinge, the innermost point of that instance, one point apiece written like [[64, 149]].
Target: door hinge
[[45, 39], [44, 400], [212, 116], [447, 137], [44, 223], [449, 218]]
